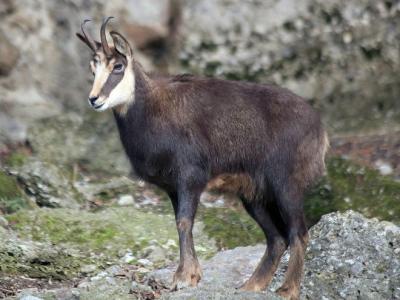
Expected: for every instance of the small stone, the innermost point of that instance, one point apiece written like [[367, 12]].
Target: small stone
[[76, 293], [126, 200], [347, 37], [145, 262], [99, 276], [88, 269], [140, 287], [30, 297], [383, 167], [128, 258], [3, 222], [84, 285], [142, 270], [157, 254]]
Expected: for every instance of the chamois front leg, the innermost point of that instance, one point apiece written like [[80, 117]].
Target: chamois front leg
[[185, 204]]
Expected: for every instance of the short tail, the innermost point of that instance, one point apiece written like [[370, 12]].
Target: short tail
[[325, 148]]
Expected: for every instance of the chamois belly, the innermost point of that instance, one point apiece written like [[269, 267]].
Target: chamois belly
[[240, 184]]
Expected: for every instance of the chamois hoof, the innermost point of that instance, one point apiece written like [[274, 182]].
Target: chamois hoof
[[186, 277], [290, 293], [251, 286]]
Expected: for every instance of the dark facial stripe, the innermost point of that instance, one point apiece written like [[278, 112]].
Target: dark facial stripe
[[111, 82]]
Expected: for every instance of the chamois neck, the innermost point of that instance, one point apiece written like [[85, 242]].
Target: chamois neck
[[143, 83]]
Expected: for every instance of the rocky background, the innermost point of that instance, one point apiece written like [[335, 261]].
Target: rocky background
[[75, 225]]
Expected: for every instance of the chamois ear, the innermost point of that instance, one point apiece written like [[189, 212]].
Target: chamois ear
[[121, 44], [82, 38]]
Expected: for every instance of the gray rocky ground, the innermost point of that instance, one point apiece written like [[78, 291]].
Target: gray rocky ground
[[75, 225], [349, 257]]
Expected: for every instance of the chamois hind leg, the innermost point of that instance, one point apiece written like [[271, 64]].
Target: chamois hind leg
[[269, 221], [290, 203]]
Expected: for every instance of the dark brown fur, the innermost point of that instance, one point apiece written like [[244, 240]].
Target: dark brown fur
[[260, 141]]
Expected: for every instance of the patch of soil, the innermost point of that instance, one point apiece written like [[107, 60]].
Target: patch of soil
[[370, 150]]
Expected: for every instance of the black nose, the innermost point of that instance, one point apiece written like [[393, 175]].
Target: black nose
[[92, 100]]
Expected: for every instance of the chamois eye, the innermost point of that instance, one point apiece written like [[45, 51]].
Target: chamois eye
[[118, 67]]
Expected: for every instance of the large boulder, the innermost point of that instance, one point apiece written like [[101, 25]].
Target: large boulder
[[90, 141], [46, 184], [341, 55], [349, 257]]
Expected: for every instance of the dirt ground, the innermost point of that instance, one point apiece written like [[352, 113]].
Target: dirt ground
[[376, 151]]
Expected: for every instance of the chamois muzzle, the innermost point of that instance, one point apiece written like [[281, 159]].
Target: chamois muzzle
[[92, 100]]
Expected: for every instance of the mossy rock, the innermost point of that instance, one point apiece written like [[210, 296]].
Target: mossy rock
[[16, 159], [47, 184], [11, 196], [91, 142], [351, 186], [37, 259], [105, 236]]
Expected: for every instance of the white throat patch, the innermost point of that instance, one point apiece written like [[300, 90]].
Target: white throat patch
[[124, 93]]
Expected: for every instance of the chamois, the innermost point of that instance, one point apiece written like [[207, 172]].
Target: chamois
[[184, 132]]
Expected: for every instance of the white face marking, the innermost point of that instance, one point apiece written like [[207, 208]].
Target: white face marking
[[121, 96], [101, 73]]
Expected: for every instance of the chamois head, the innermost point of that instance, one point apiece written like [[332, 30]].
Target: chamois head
[[114, 80]]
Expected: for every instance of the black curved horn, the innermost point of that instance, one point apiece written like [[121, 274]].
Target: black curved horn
[[90, 42], [104, 43]]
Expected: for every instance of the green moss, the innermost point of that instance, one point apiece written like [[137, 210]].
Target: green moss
[[8, 186], [106, 231], [351, 186], [231, 227], [107, 234], [11, 196], [16, 159], [59, 266], [37, 260]]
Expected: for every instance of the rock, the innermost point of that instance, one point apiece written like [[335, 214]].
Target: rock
[[86, 269], [159, 255], [349, 256], [3, 222], [128, 258], [296, 44], [11, 196], [147, 23], [22, 256], [29, 297], [106, 236], [46, 184], [9, 55], [383, 167], [145, 262], [125, 200], [92, 142]]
